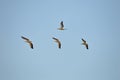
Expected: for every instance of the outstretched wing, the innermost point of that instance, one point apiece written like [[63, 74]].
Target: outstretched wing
[[86, 46], [28, 41], [55, 38], [31, 45], [62, 25], [24, 38], [83, 40], [84, 43], [59, 43]]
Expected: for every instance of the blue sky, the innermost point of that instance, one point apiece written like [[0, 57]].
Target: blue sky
[[97, 21]]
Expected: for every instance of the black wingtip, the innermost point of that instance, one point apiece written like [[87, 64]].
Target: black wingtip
[[59, 47], [61, 22], [22, 37], [54, 38]]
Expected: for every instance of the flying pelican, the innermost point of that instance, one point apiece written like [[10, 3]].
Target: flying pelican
[[28, 41], [84, 43], [61, 26], [59, 43]]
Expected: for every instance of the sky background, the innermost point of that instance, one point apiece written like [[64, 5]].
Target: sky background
[[96, 21]]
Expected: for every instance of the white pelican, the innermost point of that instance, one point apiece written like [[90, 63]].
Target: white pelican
[[28, 41], [84, 43], [59, 43], [61, 26]]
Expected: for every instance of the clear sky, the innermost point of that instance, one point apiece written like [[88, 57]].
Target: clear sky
[[97, 21]]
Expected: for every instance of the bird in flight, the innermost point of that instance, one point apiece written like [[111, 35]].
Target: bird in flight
[[59, 43], [61, 26], [28, 41], [84, 43]]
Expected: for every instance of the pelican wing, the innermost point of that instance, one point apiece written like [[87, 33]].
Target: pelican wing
[[28, 41], [62, 25], [31, 45], [59, 43], [55, 39], [84, 43], [83, 40], [86, 46], [25, 38]]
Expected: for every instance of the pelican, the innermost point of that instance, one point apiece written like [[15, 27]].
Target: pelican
[[61, 26], [59, 43], [84, 43], [28, 41]]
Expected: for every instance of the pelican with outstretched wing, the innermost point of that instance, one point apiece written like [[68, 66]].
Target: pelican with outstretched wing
[[28, 41], [61, 26], [85, 43], [59, 43]]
